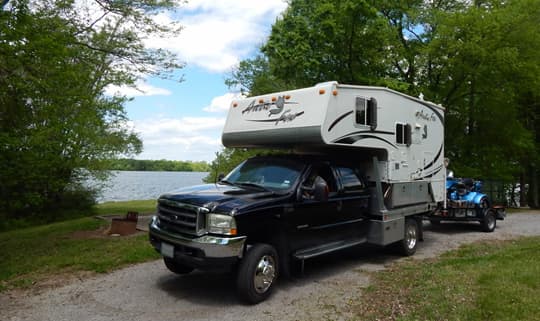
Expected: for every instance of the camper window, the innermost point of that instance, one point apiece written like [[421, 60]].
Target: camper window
[[363, 114], [361, 111], [350, 180], [366, 112], [403, 134], [400, 133]]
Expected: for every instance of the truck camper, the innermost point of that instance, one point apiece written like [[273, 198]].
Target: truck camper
[[367, 167]]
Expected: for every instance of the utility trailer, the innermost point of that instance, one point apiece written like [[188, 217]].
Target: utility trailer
[[367, 167], [465, 202]]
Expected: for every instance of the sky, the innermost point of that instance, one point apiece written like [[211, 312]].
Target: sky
[[183, 121]]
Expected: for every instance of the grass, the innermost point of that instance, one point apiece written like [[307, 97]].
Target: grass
[[484, 281], [38, 253], [514, 210]]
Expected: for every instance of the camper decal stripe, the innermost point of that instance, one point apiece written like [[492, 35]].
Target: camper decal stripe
[[340, 118], [435, 159], [286, 117], [435, 172], [365, 131], [353, 139]]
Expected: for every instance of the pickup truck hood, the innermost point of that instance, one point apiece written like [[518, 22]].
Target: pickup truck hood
[[220, 198]]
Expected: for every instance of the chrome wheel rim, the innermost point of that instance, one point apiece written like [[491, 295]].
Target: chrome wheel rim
[[411, 237], [264, 274]]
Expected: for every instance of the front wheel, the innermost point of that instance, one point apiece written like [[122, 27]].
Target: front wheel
[[257, 273], [407, 246], [489, 222]]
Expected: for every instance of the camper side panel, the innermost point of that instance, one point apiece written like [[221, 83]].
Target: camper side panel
[[284, 119], [410, 131]]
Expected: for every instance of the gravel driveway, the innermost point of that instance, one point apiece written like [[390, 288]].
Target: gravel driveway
[[150, 292]]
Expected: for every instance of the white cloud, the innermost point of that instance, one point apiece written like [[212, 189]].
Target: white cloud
[[142, 89], [218, 34], [222, 103], [187, 138]]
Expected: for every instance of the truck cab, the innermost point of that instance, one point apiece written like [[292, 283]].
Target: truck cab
[[288, 207]]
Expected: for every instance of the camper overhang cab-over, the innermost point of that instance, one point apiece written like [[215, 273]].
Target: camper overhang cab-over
[[368, 164]]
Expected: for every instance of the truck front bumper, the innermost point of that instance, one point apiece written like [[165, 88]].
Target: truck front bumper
[[201, 252]]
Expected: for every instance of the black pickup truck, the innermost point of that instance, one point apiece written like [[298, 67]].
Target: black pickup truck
[[267, 213]]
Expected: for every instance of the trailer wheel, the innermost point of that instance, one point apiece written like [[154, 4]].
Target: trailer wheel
[[407, 246], [257, 273], [489, 222], [176, 267]]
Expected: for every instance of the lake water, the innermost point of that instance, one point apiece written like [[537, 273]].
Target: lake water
[[134, 185]]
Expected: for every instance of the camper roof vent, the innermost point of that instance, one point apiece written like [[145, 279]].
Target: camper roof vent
[[326, 83]]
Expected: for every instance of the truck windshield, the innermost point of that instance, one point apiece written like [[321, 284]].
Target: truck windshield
[[268, 174]]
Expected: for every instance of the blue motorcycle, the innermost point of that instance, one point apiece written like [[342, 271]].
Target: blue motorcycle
[[466, 202]]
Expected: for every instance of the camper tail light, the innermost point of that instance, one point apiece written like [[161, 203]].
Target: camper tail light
[[273, 99]]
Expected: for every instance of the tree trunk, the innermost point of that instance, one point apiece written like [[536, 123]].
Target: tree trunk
[[522, 190], [533, 189]]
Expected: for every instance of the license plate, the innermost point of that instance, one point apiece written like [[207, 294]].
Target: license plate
[[167, 250]]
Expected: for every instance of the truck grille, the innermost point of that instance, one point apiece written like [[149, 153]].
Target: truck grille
[[181, 218]]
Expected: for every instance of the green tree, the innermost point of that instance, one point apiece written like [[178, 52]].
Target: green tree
[[481, 67], [325, 40], [479, 59], [57, 127]]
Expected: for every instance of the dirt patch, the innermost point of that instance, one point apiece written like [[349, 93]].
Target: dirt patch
[[100, 233], [142, 221]]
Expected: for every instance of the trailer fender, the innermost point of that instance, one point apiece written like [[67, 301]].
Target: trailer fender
[[478, 198]]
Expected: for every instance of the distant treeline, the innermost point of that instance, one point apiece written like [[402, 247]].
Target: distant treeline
[[157, 165]]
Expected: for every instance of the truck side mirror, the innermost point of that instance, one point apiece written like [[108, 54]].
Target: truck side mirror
[[220, 177], [320, 191]]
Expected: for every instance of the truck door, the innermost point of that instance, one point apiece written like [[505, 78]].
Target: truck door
[[353, 196], [313, 220]]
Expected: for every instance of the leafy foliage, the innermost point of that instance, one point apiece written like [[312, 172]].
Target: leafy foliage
[[479, 59], [56, 124], [126, 164]]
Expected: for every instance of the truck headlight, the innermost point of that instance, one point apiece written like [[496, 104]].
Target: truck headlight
[[221, 224]]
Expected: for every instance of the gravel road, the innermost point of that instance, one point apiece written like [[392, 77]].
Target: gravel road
[[150, 292]]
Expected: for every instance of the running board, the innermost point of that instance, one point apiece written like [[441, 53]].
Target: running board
[[327, 248]]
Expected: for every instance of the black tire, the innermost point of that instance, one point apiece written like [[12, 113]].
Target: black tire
[[176, 267], [489, 222], [257, 273], [483, 207], [407, 246]]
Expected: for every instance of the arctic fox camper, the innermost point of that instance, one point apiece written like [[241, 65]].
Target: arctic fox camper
[[406, 134], [367, 166]]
